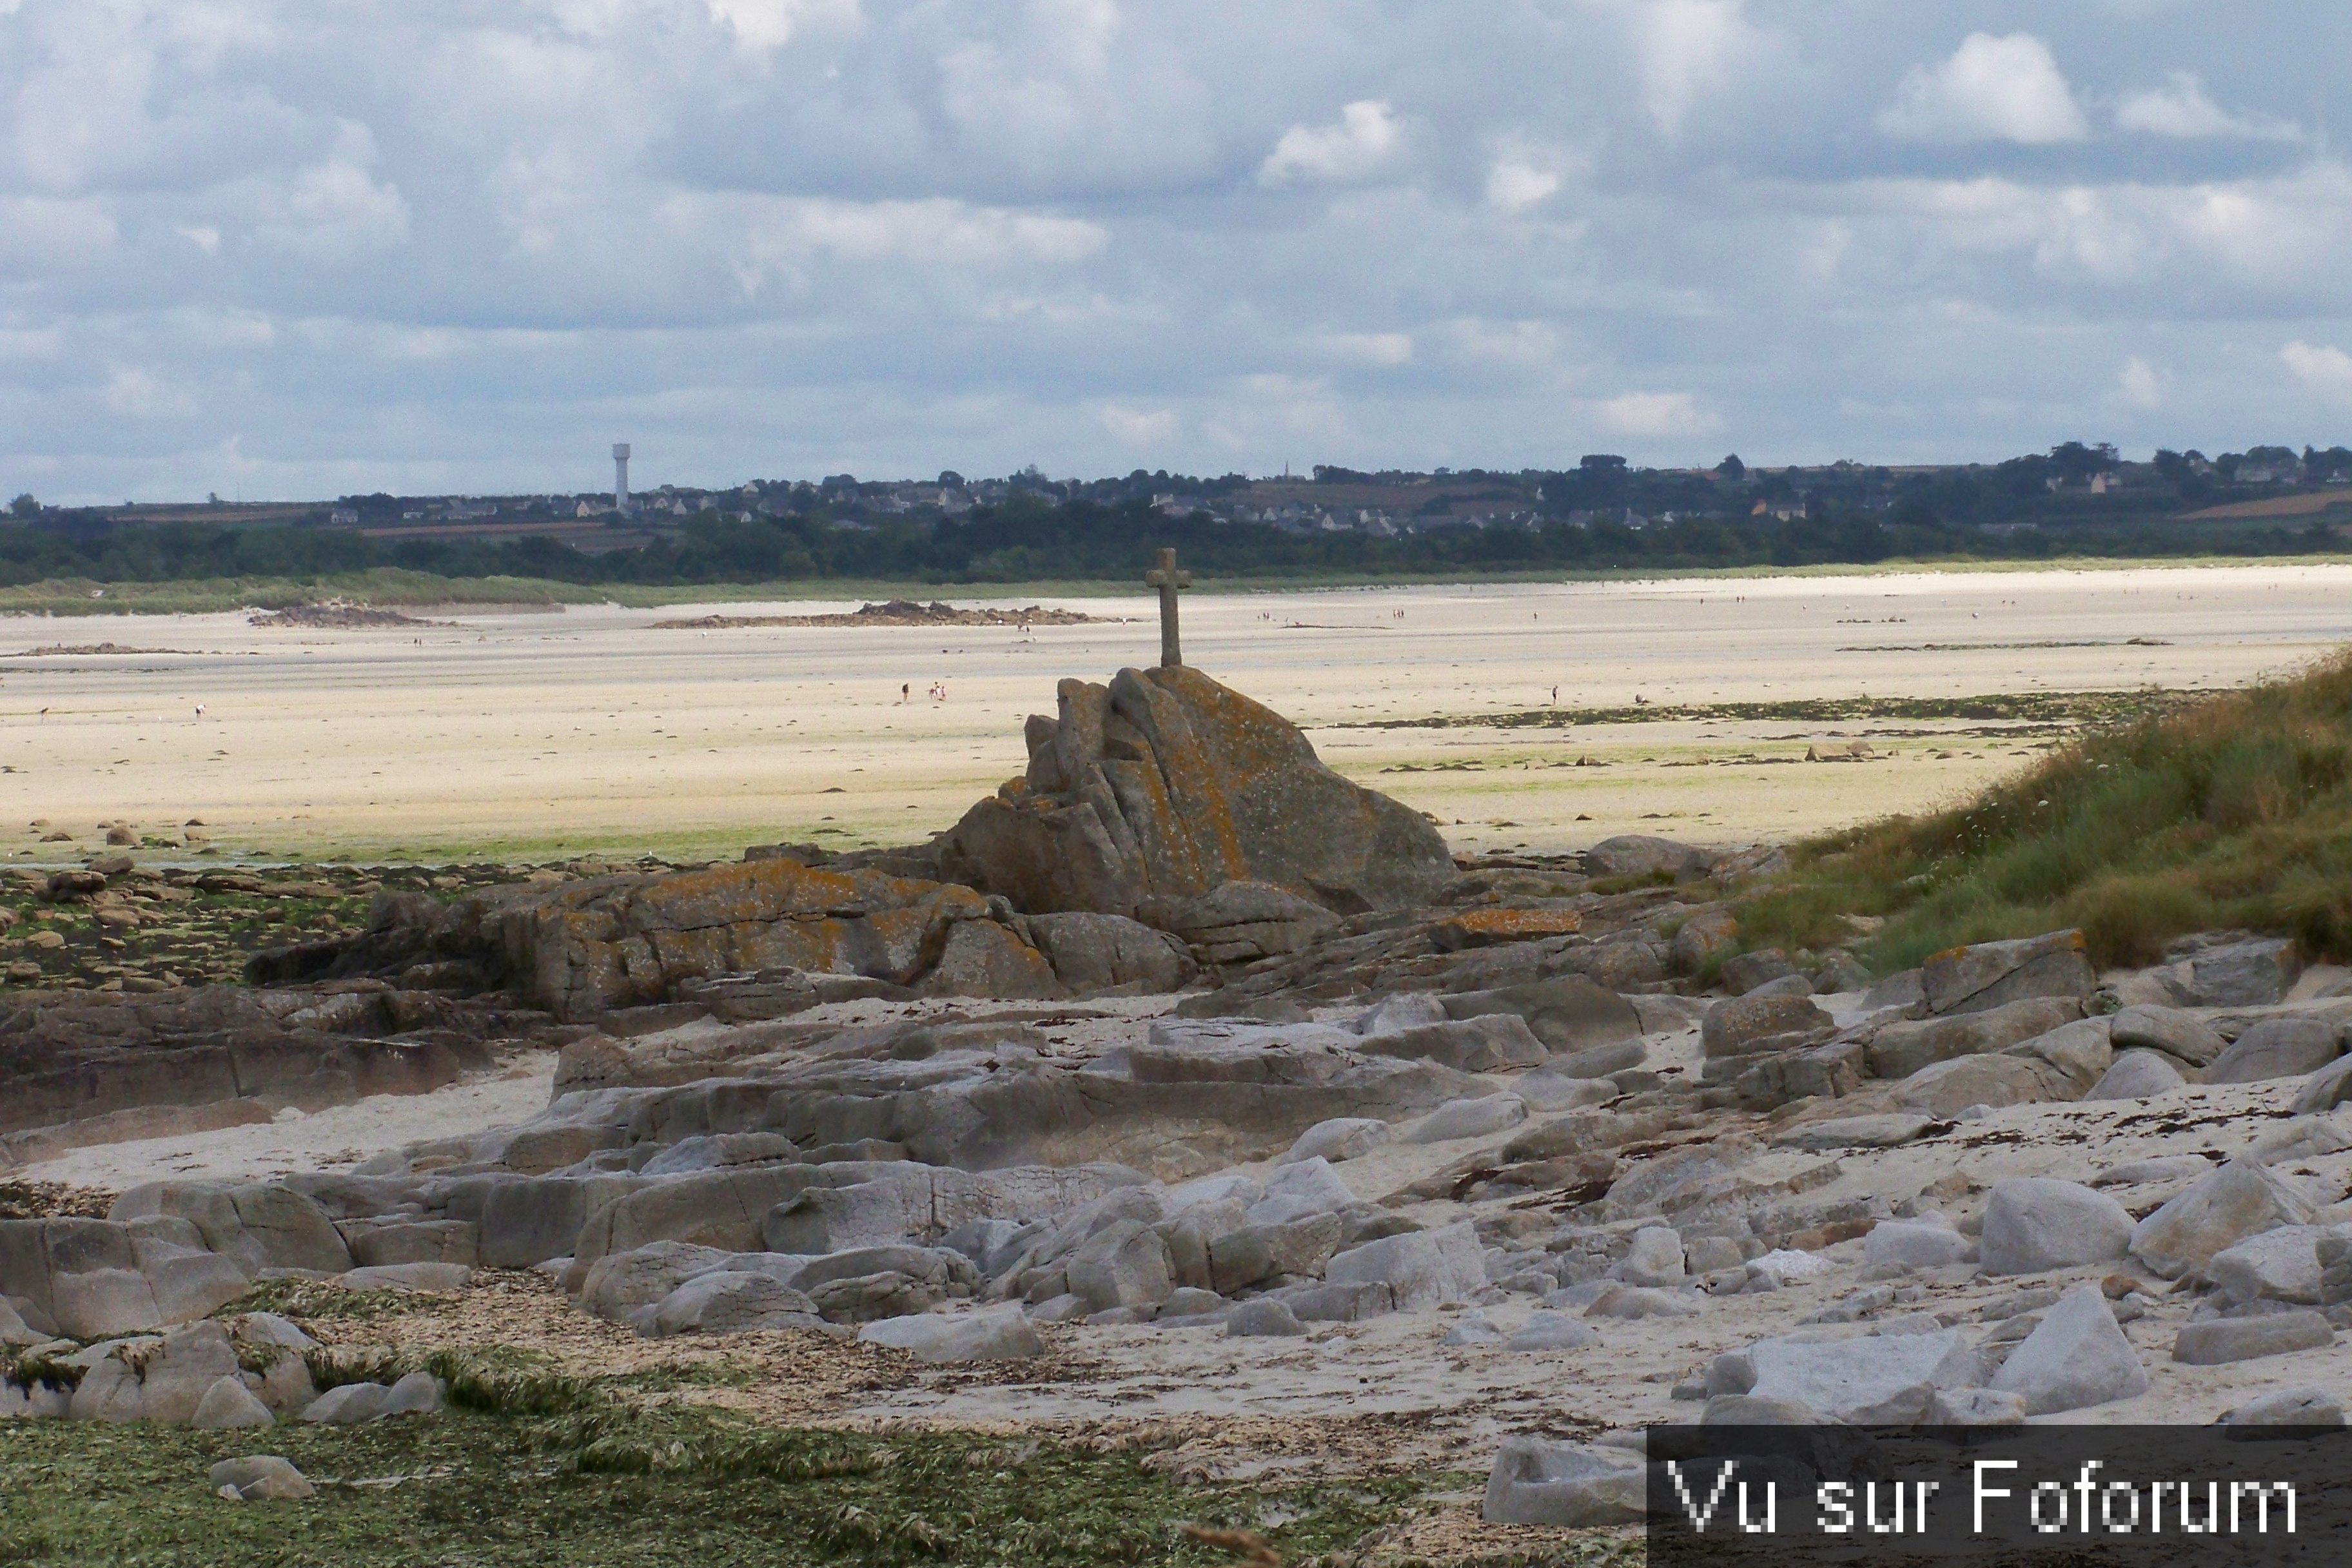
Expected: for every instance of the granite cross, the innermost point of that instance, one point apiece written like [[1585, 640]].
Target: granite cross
[[1168, 578]]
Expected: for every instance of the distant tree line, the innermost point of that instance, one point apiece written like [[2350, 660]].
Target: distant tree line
[[1602, 515], [1028, 539]]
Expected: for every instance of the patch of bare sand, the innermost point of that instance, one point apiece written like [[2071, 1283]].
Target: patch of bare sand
[[520, 736]]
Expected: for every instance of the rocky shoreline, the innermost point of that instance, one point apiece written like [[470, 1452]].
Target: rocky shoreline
[[1268, 1105]]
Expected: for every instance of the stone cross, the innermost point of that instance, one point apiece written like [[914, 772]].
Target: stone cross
[[1168, 578]]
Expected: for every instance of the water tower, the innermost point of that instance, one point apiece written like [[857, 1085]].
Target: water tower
[[620, 476]]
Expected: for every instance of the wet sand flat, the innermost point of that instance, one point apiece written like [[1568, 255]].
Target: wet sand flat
[[536, 736]]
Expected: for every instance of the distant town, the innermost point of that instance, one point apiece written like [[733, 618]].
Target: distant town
[[1600, 513]]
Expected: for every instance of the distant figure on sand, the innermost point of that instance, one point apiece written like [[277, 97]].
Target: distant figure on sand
[[907, 691], [200, 709]]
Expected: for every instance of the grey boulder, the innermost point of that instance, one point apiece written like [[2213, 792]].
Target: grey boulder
[[1538, 1481], [2138, 1075], [349, 1405], [1420, 1270], [229, 1404], [1263, 1318], [1467, 1119], [2037, 1223], [1994, 973], [2240, 1200], [1742, 1023], [1090, 951], [1491, 1043], [261, 1478], [1656, 1257], [1568, 1013], [1885, 1380], [730, 1301], [413, 1394], [2280, 1264], [1899, 1049], [2076, 1357], [996, 1334], [1644, 854], [1914, 1243], [2166, 1029], [1342, 1138], [2255, 973], [2278, 1047]]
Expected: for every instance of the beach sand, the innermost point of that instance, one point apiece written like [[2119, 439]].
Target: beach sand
[[535, 736]]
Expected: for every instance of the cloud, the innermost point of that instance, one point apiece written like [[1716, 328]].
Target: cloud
[[791, 236], [938, 232], [1366, 137], [44, 230], [1526, 343], [2183, 112], [1142, 428], [2140, 385], [139, 395], [1688, 49], [1654, 414], [1992, 90], [1384, 350], [762, 25], [2274, 236], [1515, 186], [2323, 367]]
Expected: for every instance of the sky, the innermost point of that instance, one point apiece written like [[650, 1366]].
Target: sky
[[298, 248]]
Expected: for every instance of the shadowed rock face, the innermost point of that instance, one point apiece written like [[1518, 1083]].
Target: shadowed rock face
[[1164, 784]]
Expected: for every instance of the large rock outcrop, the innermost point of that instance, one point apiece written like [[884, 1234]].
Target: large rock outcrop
[[1164, 784], [578, 949]]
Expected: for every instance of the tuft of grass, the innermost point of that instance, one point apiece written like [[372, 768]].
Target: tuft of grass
[[499, 1380], [2231, 812], [325, 1299]]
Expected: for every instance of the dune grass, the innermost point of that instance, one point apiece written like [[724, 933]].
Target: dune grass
[[2233, 811]]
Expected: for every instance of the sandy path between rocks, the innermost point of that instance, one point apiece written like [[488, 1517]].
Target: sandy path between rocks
[[537, 735]]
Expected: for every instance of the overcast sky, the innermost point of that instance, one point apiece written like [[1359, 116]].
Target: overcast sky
[[301, 248]]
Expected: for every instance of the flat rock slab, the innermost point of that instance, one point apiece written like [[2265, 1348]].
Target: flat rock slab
[[1885, 1130], [1488, 928], [2218, 1341], [1886, 1380]]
